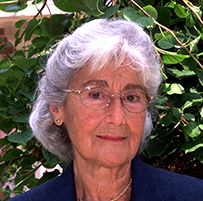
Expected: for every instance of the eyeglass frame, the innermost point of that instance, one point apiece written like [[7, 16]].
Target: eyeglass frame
[[79, 92]]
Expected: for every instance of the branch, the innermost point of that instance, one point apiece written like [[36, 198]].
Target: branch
[[136, 4], [6, 168], [43, 6], [168, 30], [10, 162], [181, 118], [7, 54], [192, 9]]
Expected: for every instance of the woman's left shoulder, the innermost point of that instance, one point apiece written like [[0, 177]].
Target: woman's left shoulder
[[165, 184]]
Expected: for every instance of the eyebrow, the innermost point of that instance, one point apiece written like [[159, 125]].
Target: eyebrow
[[133, 87], [103, 83], [100, 83]]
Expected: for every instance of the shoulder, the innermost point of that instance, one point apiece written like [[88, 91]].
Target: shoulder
[[60, 188], [164, 184]]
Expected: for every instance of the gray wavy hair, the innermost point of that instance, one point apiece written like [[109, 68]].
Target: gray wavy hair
[[95, 44]]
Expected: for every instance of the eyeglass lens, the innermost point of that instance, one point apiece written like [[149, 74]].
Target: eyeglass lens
[[97, 98]]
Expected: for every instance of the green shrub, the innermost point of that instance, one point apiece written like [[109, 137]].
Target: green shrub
[[176, 29]]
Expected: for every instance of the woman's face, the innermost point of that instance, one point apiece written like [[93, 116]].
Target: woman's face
[[110, 136]]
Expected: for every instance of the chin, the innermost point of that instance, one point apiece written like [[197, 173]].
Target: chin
[[112, 159]]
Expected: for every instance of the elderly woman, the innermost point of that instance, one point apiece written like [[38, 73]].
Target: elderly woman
[[93, 109]]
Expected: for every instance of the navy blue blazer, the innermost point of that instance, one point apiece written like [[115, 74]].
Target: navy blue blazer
[[149, 184]]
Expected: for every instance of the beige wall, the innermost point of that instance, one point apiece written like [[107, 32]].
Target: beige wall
[[8, 20], [7, 32]]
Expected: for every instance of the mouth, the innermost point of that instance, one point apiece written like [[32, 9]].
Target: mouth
[[112, 138]]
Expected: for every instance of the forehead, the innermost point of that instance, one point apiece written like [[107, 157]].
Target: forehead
[[109, 77]]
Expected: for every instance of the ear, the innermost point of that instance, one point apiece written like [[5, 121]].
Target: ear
[[57, 115]]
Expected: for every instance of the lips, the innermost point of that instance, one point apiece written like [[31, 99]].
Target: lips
[[112, 138]]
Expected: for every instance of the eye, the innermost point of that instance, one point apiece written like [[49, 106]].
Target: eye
[[97, 93], [132, 98]]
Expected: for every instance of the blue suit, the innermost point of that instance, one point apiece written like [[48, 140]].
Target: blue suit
[[149, 184]]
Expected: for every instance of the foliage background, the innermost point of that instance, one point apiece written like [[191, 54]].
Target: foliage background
[[176, 29]]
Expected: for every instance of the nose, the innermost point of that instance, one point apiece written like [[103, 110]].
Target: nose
[[115, 112]]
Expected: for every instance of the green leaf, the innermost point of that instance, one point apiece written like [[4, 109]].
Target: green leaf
[[7, 125], [200, 75], [192, 129], [4, 141], [167, 42], [51, 158], [53, 26], [192, 146], [150, 10], [167, 120], [180, 74], [86, 5], [189, 117], [198, 154], [145, 21], [20, 5], [27, 94], [194, 43], [191, 19], [65, 5], [20, 23], [180, 11], [32, 25], [13, 7], [201, 111], [188, 104], [4, 75], [161, 99], [17, 34], [189, 64], [40, 41], [18, 74], [130, 14], [11, 154], [21, 138], [159, 143], [174, 88], [164, 15], [19, 53], [15, 107], [170, 4], [25, 64], [21, 118], [110, 11], [201, 126], [173, 58], [177, 112], [18, 40]]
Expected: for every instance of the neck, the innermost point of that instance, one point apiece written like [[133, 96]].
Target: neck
[[96, 182]]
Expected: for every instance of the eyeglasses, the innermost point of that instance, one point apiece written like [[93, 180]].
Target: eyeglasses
[[98, 98]]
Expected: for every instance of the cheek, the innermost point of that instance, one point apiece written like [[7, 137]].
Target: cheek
[[137, 127], [80, 121]]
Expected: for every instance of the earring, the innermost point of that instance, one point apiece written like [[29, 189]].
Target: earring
[[57, 120]]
